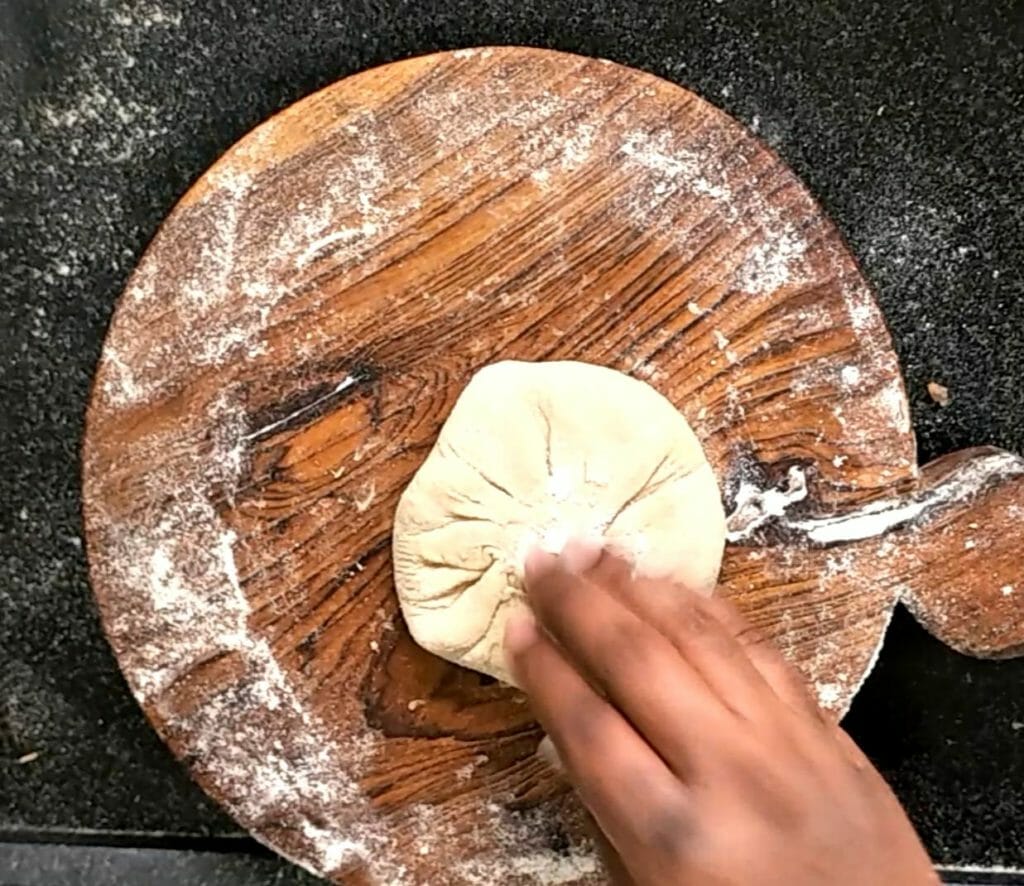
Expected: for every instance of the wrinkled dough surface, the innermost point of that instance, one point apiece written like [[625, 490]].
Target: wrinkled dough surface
[[532, 454]]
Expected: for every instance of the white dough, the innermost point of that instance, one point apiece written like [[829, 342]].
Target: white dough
[[533, 454]]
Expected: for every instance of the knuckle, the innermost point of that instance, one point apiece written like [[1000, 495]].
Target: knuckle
[[752, 638], [669, 831], [583, 730], [628, 650], [698, 628], [550, 595], [611, 570]]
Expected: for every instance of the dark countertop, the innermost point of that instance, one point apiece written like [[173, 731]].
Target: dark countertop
[[905, 119]]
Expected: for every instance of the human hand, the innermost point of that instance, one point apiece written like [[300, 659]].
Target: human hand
[[695, 745]]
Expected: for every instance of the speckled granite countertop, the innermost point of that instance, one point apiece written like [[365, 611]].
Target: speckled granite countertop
[[906, 120]]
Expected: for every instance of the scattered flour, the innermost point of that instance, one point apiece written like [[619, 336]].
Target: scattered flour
[[890, 405], [102, 116], [578, 147], [774, 263], [863, 313], [243, 252], [754, 506], [828, 694], [539, 866], [674, 169], [849, 375], [181, 606]]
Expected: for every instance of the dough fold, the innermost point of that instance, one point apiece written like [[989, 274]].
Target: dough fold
[[533, 454]]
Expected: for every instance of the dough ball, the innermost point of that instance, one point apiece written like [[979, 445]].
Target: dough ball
[[533, 454]]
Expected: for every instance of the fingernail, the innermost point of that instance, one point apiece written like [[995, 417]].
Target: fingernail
[[581, 554], [621, 551], [538, 562], [520, 632]]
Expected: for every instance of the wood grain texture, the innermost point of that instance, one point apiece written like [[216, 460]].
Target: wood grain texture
[[962, 574], [293, 339]]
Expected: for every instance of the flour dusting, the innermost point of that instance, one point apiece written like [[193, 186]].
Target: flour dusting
[[103, 118], [674, 168], [849, 375], [182, 607], [755, 507], [774, 263], [241, 257], [828, 694], [545, 867]]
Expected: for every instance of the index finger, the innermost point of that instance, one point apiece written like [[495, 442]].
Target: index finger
[[628, 660], [636, 800], [736, 662]]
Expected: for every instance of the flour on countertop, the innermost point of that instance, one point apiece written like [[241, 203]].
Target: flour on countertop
[[105, 120]]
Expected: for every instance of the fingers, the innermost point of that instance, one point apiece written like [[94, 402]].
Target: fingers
[[636, 666], [608, 761], [735, 661], [694, 627], [784, 679], [610, 569], [643, 687]]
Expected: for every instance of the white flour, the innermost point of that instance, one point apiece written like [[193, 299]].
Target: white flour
[[188, 608], [774, 263], [534, 865], [878, 517], [755, 507], [674, 168]]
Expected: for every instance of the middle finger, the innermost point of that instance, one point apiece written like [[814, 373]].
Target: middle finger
[[633, 664]]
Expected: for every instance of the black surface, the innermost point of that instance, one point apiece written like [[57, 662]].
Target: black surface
[[26, 864], [905, 119]]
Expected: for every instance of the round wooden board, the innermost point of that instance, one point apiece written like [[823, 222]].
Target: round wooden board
[[292, 341]]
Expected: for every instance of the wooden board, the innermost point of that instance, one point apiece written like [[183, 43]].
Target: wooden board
[[294, 337]]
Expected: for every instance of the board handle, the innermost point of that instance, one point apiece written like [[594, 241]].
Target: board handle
[[962, 563], [949, 547]]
